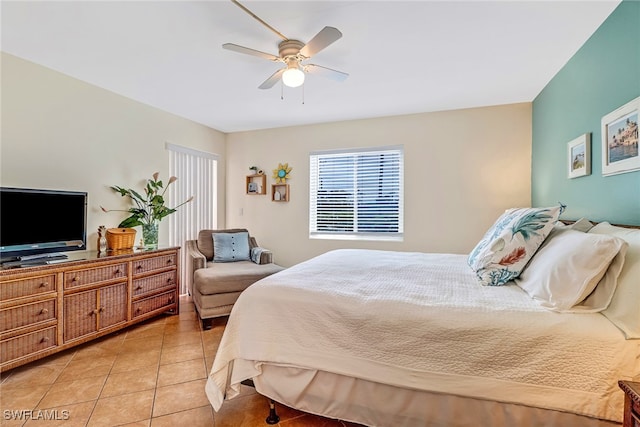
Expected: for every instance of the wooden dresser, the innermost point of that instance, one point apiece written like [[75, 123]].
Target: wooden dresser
[[49, 308], [631, 403]]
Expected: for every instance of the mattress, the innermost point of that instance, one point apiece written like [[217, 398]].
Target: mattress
[[422, 322]]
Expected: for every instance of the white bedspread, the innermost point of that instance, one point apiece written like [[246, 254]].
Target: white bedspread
[[421, 321]]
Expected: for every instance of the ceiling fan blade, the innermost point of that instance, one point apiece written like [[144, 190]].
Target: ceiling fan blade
[[275, 77], [324, 38], [257, 18], [336, 75], [253, 52]]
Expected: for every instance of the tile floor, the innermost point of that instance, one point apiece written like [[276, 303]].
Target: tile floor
[[151, 374]]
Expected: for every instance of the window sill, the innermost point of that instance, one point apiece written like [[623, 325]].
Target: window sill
[[397, 237]]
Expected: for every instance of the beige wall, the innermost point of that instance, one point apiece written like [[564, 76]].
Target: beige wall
[[462, 169], [61, 133]]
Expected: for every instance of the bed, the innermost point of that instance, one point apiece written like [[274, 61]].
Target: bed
[[387, 338]]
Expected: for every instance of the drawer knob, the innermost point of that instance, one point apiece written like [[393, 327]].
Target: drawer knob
[[117, 271], [44, 339], [169, 261], [139, 267], [44, 284], [139, 309], [171, 298], [44, 311], [138, 287], [75, 279], [169, 280]]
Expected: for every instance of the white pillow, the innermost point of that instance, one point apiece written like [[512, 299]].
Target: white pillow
[[624, 310], [509, 244], [602, 295], [567, 268]]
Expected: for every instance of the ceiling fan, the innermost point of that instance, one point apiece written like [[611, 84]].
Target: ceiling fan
[[293, 53]]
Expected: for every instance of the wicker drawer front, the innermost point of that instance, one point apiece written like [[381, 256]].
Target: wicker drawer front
[[26, 287], [154, 283], [74, 279], [148, 305], [156, 263], [27, 314], [27, 344]]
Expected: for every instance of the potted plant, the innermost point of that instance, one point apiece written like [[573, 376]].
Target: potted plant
[[149, 208]]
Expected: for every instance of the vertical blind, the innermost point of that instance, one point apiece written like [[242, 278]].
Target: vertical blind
[[197, 176], [357, 194]]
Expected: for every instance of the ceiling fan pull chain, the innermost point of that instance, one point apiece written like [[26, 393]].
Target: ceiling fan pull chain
[[303, 94], [281, 91]]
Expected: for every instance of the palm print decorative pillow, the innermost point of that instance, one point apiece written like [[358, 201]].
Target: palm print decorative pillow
[[509, 244]]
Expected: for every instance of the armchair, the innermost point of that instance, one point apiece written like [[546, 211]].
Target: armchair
[[215, 286]]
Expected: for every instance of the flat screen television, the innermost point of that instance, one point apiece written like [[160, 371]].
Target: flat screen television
[[35, 221]]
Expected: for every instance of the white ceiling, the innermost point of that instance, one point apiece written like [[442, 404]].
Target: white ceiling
[[402, 57]]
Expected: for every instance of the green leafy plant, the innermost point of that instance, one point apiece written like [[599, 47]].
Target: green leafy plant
[[150, 207]]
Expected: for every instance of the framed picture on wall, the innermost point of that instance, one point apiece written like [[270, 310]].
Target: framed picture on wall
[[620, 139], [579, 156]]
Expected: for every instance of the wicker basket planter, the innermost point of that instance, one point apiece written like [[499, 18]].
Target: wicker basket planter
[[120, 238]]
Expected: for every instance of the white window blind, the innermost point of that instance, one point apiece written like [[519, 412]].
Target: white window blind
[[357, 194], [197, 176]]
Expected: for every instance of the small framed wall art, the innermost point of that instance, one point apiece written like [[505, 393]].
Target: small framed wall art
[[579, 156], [281, 174], [620, 139]]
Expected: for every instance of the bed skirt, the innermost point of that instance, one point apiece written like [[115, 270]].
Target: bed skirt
[[381, 405]]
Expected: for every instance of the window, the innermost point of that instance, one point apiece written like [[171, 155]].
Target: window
[[197, 176], [357, 194]]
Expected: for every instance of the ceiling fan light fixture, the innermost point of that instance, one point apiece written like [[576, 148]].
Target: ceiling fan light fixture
[[292, 53], [293, 76]]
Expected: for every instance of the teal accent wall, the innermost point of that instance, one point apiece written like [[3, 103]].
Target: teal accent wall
[[602, 76]]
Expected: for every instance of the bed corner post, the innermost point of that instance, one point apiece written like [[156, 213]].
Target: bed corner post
[[273, 418]]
